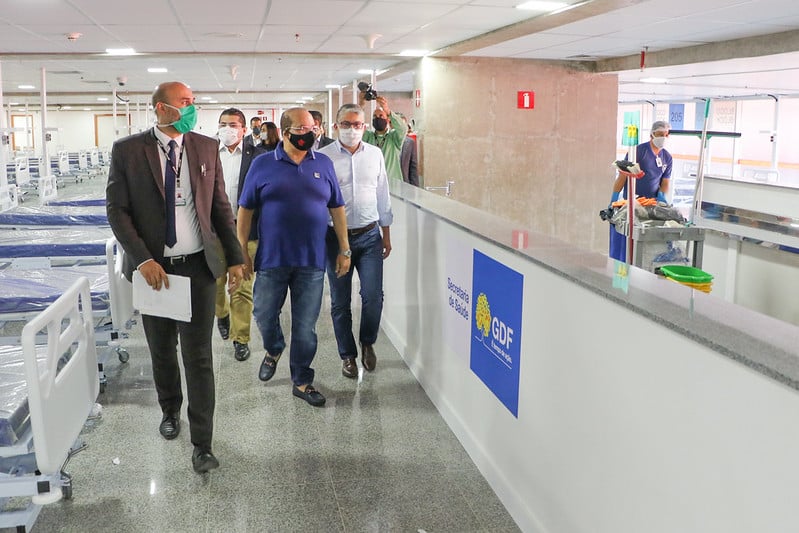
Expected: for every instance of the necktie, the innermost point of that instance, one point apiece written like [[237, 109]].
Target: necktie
[[169, 196]]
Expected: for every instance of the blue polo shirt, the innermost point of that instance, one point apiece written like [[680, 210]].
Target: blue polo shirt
[[293, 201]]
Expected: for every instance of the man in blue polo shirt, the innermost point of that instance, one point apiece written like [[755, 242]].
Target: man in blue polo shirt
[[296, 190]]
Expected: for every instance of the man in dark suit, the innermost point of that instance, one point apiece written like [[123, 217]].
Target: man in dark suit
[[322, 140], [168, 209], [409, 160], [234, 317]]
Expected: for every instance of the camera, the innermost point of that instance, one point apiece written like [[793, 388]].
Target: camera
[[122, 80], [368, 92]]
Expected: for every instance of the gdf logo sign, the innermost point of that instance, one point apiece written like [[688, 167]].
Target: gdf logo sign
[[496, 328]]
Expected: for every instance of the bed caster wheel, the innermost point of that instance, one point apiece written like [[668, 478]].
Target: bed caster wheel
[[66, 487], [123, 355]]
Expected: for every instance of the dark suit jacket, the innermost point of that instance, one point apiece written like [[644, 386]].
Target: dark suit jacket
[[135, 201], [324, 141], [248, 153], [409, 161]]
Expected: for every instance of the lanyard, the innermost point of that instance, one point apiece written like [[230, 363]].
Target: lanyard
[[168, 162]]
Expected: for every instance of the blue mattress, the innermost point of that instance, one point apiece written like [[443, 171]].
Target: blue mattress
[[78, 203], [61, 242], [27, 291], [26, 219]]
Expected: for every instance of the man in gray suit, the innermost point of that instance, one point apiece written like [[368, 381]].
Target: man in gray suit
[[168, 209]]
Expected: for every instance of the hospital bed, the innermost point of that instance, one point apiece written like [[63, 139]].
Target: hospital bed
[[47, 392], [28, 291], [45, 247], [54, 216]]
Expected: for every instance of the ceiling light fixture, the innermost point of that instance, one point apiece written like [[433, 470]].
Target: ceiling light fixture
[[539, 5], [87, 108], [25, 87], [120, 51], [332, 86], [365, 71], [102, 99], [66, 107], [157, 70]]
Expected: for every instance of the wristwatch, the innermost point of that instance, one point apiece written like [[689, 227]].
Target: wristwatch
[[346, 253]]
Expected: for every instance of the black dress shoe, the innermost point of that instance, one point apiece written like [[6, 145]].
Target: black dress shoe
[[368, 357], [349, 368], [170, 426], [203, 460], [310, 395], [241, 351], [224, 326], [268, 367]]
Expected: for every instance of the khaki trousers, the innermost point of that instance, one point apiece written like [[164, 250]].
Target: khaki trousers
[[239, 306]]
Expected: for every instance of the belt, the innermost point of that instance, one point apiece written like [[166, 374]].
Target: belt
[[180, 259], [358, 231]]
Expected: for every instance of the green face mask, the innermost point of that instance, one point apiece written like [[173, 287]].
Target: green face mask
[[187, 120]]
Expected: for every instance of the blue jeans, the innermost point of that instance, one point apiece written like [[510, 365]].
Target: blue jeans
[[306, 285], [367, 259]]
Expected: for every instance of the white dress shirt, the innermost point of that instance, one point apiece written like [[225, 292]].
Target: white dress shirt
[[187, 225], [231, 167], [363, 182]]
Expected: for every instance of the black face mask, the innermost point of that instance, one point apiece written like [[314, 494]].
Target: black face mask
[[302, 142], [379, 123], [256, 131]]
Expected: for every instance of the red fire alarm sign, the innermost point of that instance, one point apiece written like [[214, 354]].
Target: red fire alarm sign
[[525, 99]]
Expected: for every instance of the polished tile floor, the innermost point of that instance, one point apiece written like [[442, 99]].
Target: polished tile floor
[[377, 457]]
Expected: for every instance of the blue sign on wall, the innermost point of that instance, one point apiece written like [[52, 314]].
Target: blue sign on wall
[[699, 119], [677, 116], [497, 328]]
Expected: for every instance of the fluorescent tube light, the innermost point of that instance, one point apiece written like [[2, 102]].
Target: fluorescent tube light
[[653, 80], [414, 53], [120, 51], [539, 5], [157, 70]]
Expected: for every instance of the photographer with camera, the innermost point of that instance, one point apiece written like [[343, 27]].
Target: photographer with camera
[[388, 140]]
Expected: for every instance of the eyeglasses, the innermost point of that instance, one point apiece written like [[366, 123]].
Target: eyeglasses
[[302, 130], [346, 124]]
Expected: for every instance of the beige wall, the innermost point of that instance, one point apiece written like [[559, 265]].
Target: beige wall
[[548, 169]]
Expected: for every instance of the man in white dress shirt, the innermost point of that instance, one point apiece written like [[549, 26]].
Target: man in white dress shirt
[[361, 172], [234, 316]]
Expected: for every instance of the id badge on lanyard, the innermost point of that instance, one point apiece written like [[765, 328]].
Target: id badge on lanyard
[[659, 162], [180, 196]]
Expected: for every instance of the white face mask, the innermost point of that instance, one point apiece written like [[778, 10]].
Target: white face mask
[[659, 142], [229, 136], [350, 137]]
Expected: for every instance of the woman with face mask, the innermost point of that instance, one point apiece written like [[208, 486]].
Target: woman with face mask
[[269, 136], [655, 162]]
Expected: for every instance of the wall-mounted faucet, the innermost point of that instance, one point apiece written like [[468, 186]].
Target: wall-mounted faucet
[[447, 189]]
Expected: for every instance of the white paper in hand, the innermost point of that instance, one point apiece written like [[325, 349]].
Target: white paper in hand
[[174, 303]]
